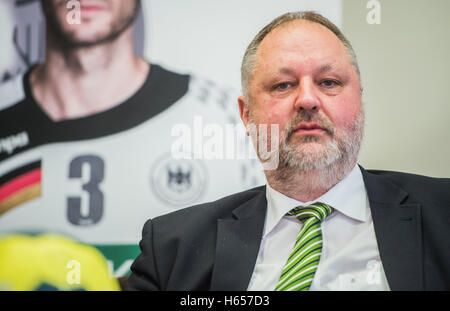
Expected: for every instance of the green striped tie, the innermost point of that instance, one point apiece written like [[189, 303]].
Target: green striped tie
[[299, 270]]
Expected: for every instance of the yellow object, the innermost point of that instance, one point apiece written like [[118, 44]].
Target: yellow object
[[52, 262]]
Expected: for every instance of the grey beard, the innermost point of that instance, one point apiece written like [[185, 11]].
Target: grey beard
[[322, 169], [299, 158]]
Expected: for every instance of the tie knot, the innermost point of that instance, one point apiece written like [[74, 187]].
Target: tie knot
[[317, 210]]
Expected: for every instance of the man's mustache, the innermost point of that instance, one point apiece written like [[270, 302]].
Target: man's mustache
[[302, 116]]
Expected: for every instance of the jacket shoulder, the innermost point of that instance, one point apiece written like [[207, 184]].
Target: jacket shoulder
[[203, 215], [219, 208], [419, 186]]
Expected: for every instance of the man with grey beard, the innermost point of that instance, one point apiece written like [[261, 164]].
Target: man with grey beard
[[322, 222]]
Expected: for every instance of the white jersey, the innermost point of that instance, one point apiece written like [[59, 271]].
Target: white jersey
[[99, 178]]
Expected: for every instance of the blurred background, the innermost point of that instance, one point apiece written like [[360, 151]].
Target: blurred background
[[404, 65]]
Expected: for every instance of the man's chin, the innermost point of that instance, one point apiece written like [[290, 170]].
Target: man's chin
[[308, 145], [85, 40]]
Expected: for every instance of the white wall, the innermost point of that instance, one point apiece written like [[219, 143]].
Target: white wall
[[405, 68]]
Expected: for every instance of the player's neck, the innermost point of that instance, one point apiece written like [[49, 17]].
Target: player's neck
[[81, 82]]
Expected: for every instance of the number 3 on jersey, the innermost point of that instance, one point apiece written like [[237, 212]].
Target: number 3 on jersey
[[94, 211]]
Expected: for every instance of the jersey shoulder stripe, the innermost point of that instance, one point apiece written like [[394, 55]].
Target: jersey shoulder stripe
[[220, 97]]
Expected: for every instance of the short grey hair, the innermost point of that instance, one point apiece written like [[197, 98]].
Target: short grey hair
[[248, 62]]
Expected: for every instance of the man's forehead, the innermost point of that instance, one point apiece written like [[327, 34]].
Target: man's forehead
[[304, 42], [320, 68], [302, 36]]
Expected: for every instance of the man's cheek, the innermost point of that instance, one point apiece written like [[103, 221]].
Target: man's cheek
[[277, 114]]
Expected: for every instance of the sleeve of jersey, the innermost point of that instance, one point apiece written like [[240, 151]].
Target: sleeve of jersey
[[223, 100]]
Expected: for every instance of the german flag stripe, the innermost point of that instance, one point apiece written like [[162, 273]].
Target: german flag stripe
[[24, 195], [19, 183], [19, 172]]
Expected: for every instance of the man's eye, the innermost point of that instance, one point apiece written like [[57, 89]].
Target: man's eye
[[282, 86], [329, 83]]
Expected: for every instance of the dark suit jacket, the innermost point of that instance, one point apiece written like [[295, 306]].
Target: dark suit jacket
[[214, 246]]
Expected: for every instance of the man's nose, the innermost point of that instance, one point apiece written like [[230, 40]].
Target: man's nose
[[307, 98]]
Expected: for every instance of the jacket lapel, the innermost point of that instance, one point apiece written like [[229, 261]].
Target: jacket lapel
[[397, 225], [238, 242]]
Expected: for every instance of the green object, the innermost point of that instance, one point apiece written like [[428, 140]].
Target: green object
[[120, 257], [298, 272]]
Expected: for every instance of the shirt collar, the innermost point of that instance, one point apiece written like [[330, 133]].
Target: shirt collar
[[348, 197]]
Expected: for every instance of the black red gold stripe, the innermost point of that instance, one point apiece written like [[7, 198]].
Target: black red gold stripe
[[20, 185]]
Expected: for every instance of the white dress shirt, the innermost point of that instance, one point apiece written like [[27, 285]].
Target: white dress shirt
[[350, 258]]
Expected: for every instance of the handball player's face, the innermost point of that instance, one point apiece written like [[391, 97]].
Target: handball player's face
[[304, 81], [100, 20]]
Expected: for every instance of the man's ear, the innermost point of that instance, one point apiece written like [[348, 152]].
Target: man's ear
[[243, 110]]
